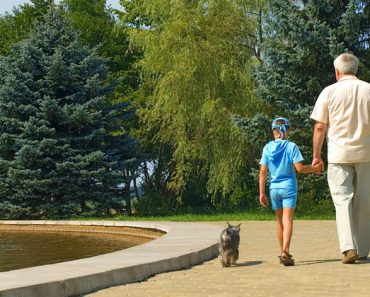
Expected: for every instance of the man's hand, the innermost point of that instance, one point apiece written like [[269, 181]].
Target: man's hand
[[319, 167], [316, 161], [263, 200]]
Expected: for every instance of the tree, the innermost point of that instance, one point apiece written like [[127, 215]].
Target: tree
[[195, 66], [99, 27], [57, 126], [302, 39], [16, 26]]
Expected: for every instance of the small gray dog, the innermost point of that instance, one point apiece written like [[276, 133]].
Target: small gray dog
[[229, 245]]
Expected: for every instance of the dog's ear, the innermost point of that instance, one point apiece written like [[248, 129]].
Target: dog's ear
[[228, 224]]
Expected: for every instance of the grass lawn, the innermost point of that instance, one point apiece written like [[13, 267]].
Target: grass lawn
[[264, 215]]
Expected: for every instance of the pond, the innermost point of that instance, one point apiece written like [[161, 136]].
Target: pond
[[21, 249]]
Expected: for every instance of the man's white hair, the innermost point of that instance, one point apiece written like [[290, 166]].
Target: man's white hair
[[346, 63]]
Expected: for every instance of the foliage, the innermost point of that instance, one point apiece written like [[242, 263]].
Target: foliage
[[195, 77], [99, 27], [15, 26], [155, 203], [302, 39], [196, 82], [56, 125]]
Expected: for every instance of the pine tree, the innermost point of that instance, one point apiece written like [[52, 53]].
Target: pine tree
[[56, 126]]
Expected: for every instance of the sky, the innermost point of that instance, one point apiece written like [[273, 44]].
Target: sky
[[7, 5]]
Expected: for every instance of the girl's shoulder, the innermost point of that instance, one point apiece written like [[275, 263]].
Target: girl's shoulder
[[291, 143], [292, 147]]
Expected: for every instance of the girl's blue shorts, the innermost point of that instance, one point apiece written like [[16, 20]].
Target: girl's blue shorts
[[283, 198]]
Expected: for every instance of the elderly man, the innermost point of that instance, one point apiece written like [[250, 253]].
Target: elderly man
[[343, 112]]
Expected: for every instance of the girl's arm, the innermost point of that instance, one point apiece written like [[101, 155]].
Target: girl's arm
[[262, 185], [308, 168]]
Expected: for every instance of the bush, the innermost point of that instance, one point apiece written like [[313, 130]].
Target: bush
[[155, 203], [9, 211]]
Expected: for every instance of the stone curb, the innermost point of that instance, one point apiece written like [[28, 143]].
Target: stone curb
[[184, 245]]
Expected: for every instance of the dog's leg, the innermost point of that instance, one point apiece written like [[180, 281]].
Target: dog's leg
[[224, 259], [228, 256], [235, 257], [228, 262]]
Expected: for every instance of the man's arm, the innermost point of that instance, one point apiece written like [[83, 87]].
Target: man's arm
[[262, 185], [318, 140]]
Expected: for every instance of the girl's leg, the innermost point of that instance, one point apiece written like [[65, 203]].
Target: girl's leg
[[287, 222], [280, 228]]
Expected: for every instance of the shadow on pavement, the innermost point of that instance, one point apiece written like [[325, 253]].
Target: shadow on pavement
[[299, 263], [311, 262], [248, 263]]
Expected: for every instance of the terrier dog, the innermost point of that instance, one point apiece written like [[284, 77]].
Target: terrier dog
[[229, 245]]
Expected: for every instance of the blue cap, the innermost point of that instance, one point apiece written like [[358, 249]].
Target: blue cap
[[274, 125], [282, 127]]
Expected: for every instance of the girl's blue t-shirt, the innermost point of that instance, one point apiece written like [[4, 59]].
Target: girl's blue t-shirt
[[279, 156]]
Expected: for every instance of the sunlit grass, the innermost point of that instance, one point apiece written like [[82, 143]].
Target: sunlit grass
[[264, 215]]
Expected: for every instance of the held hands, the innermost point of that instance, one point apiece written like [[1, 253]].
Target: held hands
[[318, 165], [263, 200]]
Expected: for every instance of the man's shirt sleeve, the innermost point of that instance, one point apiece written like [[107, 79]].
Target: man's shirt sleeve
[[320, 112]]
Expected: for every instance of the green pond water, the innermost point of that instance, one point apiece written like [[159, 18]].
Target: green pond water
[[20, 249]]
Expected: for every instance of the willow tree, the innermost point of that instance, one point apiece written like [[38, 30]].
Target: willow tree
[[197, 56]]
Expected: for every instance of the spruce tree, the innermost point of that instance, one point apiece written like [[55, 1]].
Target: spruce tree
[[55, 126], [98, 25], [302, 40]]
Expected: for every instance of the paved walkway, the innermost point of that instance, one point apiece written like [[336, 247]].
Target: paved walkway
[[318, 270]]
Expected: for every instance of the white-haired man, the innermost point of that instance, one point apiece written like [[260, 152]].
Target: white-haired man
[[343, 112]]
